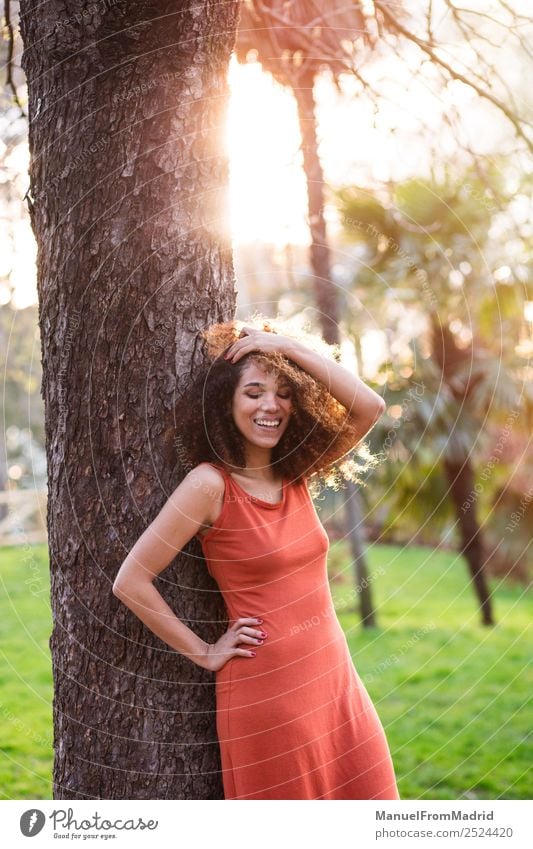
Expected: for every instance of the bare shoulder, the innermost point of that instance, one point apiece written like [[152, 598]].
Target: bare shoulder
[[207, 477], [208, 483], [201, 487]]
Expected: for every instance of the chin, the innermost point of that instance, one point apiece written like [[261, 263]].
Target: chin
[[263, 439], [266, 440]]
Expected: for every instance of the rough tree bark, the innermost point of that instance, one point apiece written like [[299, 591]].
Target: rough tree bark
[[128, 205]]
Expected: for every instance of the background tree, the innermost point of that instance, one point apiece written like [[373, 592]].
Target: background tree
[[126, 107], [21, 426], [296, 42], [458, 367], [16, 337]]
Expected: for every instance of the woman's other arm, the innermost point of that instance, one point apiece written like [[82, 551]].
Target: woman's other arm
[[189, 508]]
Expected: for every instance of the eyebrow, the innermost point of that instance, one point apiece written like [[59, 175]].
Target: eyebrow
[[256, 383]]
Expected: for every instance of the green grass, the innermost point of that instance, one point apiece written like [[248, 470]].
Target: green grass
[[25, 674], [451, 694]]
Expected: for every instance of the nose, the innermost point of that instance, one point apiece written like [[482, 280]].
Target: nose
[[270, 403]]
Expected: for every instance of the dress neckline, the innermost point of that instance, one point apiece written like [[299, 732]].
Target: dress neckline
[[261, 501]]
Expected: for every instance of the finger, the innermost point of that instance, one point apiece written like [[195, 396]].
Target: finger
[[252, 632], [233, 349], [251, 641], [242, 350], [247, 620], [244, 653]]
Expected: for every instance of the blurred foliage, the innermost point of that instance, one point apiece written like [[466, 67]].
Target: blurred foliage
[[446, 268], [23, 411]]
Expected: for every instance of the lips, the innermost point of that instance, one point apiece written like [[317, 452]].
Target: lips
[[267, 424]]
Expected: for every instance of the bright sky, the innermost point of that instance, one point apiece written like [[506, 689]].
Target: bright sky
[[267, 185]]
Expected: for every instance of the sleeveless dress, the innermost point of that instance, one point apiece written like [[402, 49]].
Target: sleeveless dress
[[295, 721]]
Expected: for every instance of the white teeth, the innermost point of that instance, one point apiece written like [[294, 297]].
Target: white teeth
[[267, 423]]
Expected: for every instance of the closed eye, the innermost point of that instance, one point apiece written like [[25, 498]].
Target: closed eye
[[284, 397]]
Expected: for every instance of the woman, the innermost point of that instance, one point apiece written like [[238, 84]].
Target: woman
[[294, 719]]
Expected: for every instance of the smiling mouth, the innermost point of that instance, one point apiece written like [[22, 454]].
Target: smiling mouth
[[267, 424]]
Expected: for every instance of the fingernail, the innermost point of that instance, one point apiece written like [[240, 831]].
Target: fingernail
[[253, 654]]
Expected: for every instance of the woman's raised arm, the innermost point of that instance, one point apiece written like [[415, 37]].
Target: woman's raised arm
[[364, 405]]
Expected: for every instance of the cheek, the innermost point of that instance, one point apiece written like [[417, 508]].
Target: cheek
[[236, 412], [242, 410], [292, 413]]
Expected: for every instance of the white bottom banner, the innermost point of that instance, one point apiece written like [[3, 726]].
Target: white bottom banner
[[263, 825]]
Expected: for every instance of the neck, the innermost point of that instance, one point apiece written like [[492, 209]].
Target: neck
[[258, 463]]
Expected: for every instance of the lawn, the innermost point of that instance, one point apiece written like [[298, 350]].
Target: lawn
[[453, 696]]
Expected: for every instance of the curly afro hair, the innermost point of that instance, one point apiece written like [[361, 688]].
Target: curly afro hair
[[320, 431]]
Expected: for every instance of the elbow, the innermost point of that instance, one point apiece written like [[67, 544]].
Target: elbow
[[365, 420], [128, 591], [381, 407], [120, 587], [117, 589], [122, 584], [374, 413]]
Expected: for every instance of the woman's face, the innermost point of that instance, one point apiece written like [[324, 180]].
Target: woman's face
[[261, 407]]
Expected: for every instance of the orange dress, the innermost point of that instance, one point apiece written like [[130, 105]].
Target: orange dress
[[295, 721]]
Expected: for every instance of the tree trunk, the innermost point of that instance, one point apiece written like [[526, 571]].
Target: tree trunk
[[357, 549], [3, 475], [325, 294], [4, 348], [461, 482], [327, 303], [128, 205], [460, 472]]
